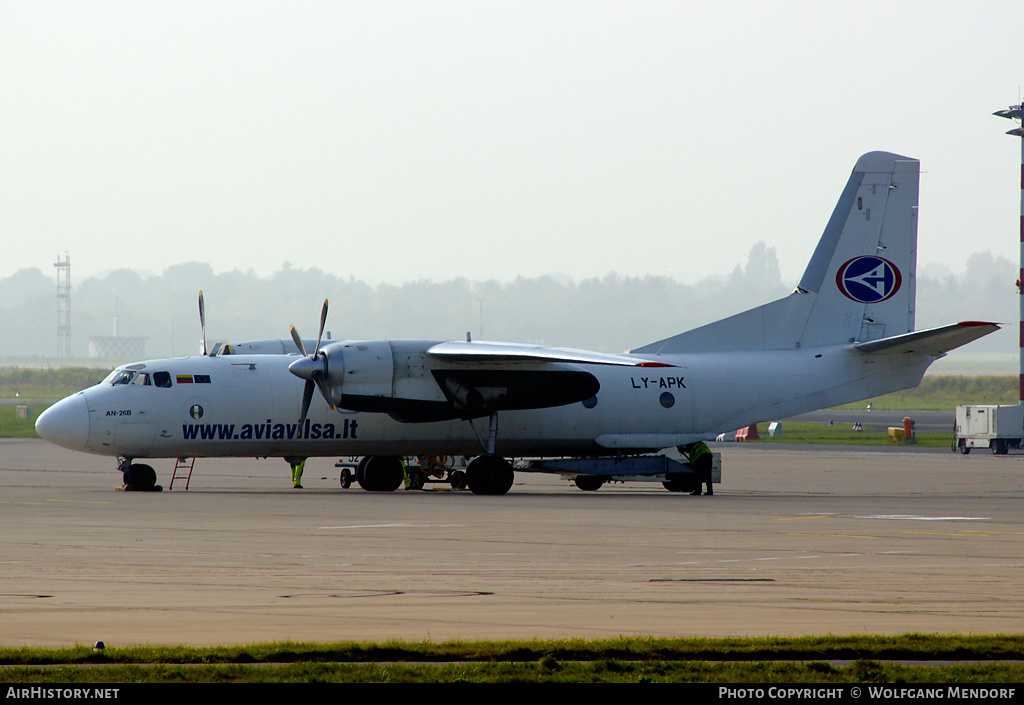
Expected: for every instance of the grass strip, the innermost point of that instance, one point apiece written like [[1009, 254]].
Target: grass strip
[[547, 670], [912, 658], [902, 647]]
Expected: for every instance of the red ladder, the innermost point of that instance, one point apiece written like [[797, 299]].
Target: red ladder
[[182, 471]]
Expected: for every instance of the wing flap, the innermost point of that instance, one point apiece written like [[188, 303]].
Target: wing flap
[[456, 351]]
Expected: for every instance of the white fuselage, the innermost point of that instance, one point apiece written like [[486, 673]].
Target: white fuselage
[[248, 406]]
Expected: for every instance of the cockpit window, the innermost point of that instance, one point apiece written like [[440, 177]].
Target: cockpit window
[[123, 377], [141, 379]]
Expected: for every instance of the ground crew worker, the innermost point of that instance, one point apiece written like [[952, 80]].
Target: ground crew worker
[[700, 460], [297, 468]]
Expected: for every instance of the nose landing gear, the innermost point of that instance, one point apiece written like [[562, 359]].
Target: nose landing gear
[[138, 477]]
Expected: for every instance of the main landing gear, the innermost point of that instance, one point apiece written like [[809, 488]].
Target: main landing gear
[[490, 474], [486, 475]]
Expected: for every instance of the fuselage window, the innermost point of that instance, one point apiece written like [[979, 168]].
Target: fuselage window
[[162, 379]]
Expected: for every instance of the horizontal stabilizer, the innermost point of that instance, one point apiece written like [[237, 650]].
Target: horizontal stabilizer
[[934, 341]]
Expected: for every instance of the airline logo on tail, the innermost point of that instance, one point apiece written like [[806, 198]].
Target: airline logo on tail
[[868, 279]]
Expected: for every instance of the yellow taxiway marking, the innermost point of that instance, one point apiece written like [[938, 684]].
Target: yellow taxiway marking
[[81, 501], [391, 526], [64, 501], [845, 536], [809, 516], [969, 532]]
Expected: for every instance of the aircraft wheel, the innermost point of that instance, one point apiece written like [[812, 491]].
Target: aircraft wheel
[[140, 477], [361, 468], [382, 473], [346, 478], [490, 474], [589, 483], [681, 484]]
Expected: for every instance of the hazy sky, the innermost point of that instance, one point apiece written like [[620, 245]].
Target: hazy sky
[[404, 140]]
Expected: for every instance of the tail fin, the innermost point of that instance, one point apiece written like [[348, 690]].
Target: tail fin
[[860, 284]]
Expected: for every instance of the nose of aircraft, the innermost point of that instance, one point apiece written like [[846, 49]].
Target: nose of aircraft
[[66, 423]]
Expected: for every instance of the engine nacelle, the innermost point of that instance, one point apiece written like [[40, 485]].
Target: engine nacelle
[[384, 376], [402, 379], [367, 368]]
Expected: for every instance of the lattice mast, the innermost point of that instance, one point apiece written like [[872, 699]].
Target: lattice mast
[[63, 305]]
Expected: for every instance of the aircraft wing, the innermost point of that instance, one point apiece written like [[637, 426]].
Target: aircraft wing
[[509, 352], [933, 341]]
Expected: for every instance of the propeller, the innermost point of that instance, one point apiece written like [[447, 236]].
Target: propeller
[[202, 319], [313, 369]]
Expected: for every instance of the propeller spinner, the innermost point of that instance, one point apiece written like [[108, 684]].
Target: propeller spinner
[[313, 369]]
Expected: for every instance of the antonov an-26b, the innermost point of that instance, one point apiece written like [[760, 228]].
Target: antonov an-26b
[[845, 333]]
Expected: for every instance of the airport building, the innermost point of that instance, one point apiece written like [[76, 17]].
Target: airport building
[[113, 346]]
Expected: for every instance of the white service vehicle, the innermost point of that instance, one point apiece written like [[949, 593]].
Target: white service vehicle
[[998, 428]]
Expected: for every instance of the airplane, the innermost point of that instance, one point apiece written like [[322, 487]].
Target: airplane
[[846, 333]]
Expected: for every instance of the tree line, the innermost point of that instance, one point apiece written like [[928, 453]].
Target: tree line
[[610, 314]]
